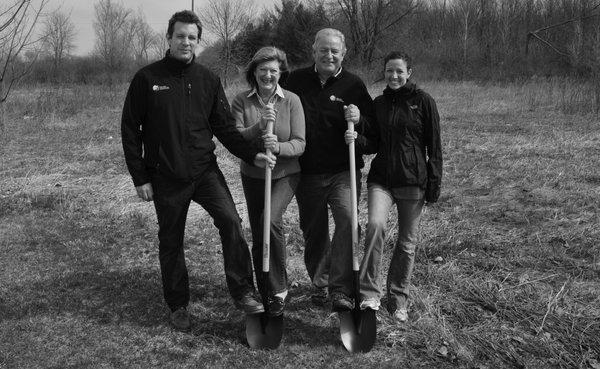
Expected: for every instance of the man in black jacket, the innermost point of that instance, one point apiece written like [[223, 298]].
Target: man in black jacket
[[172, 109], [331, 96]]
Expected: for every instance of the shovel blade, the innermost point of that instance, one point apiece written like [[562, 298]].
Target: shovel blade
[[264, 331], [358, 329]]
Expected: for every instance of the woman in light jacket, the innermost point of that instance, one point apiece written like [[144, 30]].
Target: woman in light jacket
[[252, 109]]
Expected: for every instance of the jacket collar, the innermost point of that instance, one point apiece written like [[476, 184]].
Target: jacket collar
[[177, 66], [408, 89], [278, 92], [335, 76]]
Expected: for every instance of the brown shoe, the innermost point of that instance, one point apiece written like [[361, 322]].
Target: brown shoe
[[341, 302], [249, 304], [180, 319]]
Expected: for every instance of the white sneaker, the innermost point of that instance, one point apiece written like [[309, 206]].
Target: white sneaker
[[401, 315], [372, 304]]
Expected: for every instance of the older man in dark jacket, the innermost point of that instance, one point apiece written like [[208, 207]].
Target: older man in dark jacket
[[331, 96]]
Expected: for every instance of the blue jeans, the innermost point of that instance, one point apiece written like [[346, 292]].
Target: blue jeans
[[380, 202], [328, 261], [171, 201], [282, 191]]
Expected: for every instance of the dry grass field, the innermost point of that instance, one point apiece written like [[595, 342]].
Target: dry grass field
[[517, 228]]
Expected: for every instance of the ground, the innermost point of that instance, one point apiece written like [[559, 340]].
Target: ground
[[516, 230]]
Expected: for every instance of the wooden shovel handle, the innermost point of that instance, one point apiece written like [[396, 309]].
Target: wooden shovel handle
[[267, 210], [354, 202]]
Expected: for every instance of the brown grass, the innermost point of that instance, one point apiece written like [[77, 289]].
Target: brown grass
[[516, 226]]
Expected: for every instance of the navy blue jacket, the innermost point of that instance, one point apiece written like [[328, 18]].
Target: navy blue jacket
[[326, 151], [171, 112]]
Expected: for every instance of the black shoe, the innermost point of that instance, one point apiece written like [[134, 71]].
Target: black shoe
[[341, 302], [319, 296], [276, 306], [180, 319], [249, 304]]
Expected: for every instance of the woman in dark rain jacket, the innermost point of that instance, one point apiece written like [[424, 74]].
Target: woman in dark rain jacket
[[406, 171]]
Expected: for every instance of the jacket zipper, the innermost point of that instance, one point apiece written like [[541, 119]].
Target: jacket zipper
[[187, 87], [390, 168]]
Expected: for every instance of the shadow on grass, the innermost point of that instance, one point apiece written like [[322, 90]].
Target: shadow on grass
[[101, 296], [214, 320], [135, 297]]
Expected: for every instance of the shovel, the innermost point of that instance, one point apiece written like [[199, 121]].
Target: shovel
[[264, 331], [358, 328]]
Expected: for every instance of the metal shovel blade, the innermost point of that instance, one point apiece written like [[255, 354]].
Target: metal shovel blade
[[264, 331], [358, 329]]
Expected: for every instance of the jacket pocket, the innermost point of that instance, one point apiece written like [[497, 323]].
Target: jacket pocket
[[420, 166]]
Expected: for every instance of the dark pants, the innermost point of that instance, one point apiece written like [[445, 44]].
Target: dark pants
[[328, 260], [282, 191], [172, 201]]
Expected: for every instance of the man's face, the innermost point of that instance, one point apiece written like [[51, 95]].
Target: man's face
[[183, 42], [328, 55]]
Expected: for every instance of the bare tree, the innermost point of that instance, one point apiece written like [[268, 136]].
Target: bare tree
[[144, 39], [157, 49], [590, 12], [467, 11], [112, 25], [225, 19], [59, 37], [369, 20], [17, 22]]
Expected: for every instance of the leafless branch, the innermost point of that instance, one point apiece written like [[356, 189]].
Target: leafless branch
[[534, 34], [12, 18]]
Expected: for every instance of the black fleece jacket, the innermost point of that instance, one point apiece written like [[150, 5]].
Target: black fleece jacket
[[407, 141], [326, 151], [171, 112]]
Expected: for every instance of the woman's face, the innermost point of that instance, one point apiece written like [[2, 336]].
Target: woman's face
[[267, 75], [396, 73]]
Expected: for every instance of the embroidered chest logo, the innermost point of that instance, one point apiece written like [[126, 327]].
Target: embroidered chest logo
[[159, 88]]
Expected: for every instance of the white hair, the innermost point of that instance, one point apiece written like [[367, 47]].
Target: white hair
[[330, 32]]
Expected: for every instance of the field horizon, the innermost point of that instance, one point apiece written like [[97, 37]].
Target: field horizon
[[516, 230]]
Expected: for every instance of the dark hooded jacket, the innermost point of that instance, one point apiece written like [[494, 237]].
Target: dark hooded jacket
[[171, 112], [407, 141]]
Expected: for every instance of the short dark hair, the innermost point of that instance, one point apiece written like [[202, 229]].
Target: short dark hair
[[398, 55], [265, 54], [184, 16]]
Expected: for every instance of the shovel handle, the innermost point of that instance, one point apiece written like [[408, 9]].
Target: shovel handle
[[354, 202], [267, 211]]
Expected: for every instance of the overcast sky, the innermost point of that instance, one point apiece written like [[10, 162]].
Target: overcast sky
[[157, 14]]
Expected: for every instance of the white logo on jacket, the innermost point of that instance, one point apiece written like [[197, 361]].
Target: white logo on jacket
[[159, 88]]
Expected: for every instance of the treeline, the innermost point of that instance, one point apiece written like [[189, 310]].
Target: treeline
[[449, 39]]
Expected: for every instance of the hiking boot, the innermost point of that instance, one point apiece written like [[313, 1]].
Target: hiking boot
[[341, 302], [319, 296], [180, 319], [371, 303], [276, 306], [249, 304]]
